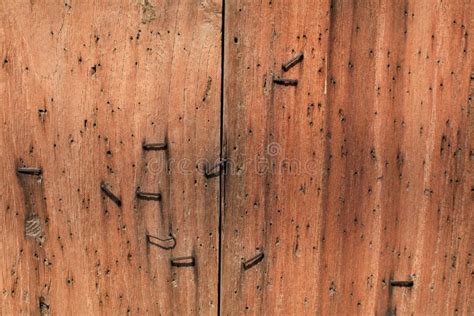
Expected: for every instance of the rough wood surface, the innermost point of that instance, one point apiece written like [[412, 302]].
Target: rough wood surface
[[358, 174], [83, 85], [365, 167]]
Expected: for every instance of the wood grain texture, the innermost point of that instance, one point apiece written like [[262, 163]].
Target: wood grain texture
[[360, 174], [274, 138], [83, 85]]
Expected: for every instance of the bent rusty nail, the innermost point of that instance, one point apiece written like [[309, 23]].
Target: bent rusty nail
[[285, 82], [157, 146], [401, 283], [148, 196], [150, 239], [208, 171], [110, 194], [253, 261], [183, 262], [293, 61], [30, 171]]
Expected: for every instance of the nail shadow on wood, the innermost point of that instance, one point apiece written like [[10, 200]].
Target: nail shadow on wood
[[154, 146], [402, 283], [147, 196], [285, 82], [253, 261], [211, 172], [105, 188], [166, 243], [183, 262], [292, 62], [29, 171]]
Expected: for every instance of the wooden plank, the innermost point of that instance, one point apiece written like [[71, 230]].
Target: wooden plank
[[83, 85], [274, 139], [382, 113]]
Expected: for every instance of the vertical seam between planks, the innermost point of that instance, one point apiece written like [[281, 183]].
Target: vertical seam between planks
[[222, 174]]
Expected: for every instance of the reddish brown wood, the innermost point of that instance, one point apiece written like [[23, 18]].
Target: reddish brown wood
[[275, 137], [352, 171], [382, 111], [83, 85]]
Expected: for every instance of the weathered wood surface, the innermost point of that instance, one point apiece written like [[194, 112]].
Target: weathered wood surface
[[365, 166], [360, 174], [83, 85]]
